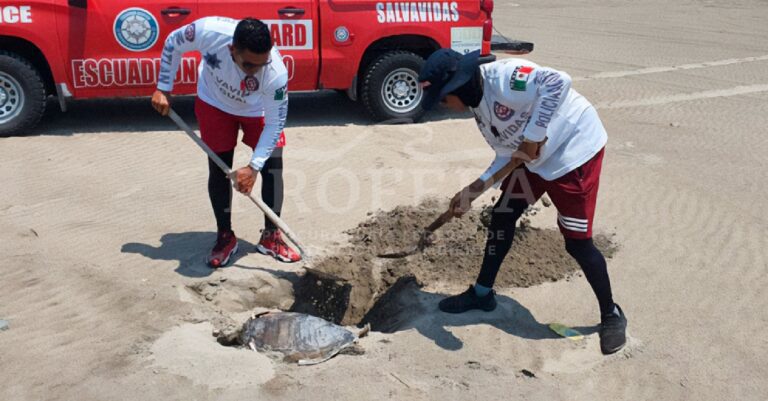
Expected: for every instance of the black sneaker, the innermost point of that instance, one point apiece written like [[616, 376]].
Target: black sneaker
[[613, 332], [468, 300]]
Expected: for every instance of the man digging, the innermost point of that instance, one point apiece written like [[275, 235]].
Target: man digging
[[242, 84], [528, 113]]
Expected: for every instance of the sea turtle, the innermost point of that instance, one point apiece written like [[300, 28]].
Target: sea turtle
[[301, 338]]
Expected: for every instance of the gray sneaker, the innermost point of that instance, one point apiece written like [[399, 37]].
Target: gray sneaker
[[613, 332], [468, 300]]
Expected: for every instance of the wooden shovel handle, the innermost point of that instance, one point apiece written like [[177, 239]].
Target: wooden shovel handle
[[274, 218], [496, 177], [439, 222]]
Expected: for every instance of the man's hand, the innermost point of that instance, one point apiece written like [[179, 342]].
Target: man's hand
[[245, 178], [461, 202], [160, 102]]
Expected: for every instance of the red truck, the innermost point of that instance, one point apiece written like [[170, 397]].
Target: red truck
[[77, 49]]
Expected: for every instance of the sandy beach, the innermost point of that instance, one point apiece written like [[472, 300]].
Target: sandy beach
[[105, 223]]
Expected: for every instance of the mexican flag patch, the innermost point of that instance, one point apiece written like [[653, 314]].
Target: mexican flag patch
[[520, 78], [280, 93]]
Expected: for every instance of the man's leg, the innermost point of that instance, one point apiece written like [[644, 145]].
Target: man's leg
[[220, 192], [592, 263], [501, 232], [519, 190], [613, 323], [272, 171], [271, 242], [219, 131], [575, 196], [272, 186]]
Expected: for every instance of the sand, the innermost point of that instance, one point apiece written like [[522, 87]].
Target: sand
[[347, 287], [104, 224]]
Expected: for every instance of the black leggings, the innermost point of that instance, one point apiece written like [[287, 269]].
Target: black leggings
[[220, 188], [502, 231]]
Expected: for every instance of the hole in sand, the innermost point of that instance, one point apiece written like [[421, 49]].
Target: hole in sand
[[355, 287]]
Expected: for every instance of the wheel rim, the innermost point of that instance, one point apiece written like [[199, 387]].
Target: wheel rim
[[11, 98], [401, 91]]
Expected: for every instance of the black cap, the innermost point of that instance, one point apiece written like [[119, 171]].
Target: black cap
[[446, 70]]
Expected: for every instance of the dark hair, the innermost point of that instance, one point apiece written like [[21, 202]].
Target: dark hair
[[253, 35]]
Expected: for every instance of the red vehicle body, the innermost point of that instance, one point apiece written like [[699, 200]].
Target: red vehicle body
[[371, 49]]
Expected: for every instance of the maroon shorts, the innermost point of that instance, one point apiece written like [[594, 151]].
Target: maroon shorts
[[574, 194], [219, 129]]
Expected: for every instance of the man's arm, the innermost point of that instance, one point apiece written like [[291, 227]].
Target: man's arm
[[500, 161], [275, 114], [185, 39], [501, 167]]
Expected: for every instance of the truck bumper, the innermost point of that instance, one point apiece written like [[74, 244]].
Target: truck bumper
[[487, 59], [501, 44]]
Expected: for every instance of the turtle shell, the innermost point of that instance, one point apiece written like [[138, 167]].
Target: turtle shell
[[301, 338]]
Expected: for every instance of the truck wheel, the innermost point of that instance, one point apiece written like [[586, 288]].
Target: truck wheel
[[22, 94], [390, 89]]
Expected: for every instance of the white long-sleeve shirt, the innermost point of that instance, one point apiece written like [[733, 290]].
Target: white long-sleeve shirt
[[224, 85], [522, 100]]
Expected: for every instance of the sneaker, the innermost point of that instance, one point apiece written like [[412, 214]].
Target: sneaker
[[613, 332], [272, 244], [468, 300], [226, 246]]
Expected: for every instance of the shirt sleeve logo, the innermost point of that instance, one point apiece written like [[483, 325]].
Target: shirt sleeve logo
[[136, 29], [519, 79], [189, 33], [280, 93], [502, 112]]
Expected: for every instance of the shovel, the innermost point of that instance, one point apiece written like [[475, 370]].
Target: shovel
[[274, 218], [425, 236]]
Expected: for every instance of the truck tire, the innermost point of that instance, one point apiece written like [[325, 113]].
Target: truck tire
[[22, 94], [390, 89]]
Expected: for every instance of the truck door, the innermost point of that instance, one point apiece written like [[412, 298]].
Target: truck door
[[112, 47], [294, 31]]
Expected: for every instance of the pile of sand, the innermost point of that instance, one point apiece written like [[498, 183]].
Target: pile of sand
[[347, 285]]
